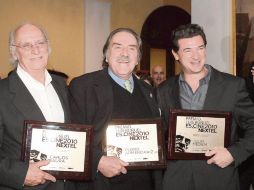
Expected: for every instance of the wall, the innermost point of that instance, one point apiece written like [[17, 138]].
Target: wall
[[217, 24], [158, 57], [97, 28], [128, 13], [247, 6], [77, 28], [62, 19], [184, 4]]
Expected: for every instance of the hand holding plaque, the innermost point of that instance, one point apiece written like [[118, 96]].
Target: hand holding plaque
[[138, 142], [192, 132], [67, 146]]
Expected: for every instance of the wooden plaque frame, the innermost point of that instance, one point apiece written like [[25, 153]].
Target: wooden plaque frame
[[202, 126], [161, 163], [30, 128]]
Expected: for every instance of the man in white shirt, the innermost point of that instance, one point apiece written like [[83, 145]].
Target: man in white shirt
[[29, 93]]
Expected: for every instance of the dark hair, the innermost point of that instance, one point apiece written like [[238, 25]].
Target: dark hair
[[111, 35], [186, 31]]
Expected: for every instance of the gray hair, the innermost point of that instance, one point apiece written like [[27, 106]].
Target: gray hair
[[13, 60], [111, 35]]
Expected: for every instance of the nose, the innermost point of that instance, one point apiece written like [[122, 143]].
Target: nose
[[125, 51], [195, 54], [35, 49]]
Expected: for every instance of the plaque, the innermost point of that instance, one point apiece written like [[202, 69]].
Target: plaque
[[136, 141], [67, 146], [193, 132]]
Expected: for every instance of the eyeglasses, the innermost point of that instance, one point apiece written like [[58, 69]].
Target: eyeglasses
[[29, 46]]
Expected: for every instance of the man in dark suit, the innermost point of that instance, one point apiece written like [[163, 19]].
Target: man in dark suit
[[201, 87], [99, 97], [28, 93]]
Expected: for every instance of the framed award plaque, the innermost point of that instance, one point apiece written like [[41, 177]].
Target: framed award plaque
[[67, 146], [192, 132], [136, 141]]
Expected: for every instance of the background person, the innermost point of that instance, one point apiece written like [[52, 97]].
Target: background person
[[158, 75]]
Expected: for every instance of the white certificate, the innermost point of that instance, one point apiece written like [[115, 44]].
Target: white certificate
[[132, 142], [64, 149], [199, 134]]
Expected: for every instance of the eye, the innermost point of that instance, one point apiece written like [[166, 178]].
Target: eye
[[41, 43], [26, 45], [202, 47], [117, 47], [187, 50], [132, 48]]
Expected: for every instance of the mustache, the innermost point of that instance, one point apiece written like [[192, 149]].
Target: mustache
[[123, 59]]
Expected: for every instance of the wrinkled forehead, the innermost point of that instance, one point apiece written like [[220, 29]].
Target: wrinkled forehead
[[28, 33], [124, 38], [158, 69]]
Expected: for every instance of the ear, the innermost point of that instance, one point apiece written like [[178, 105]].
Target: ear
[[106, 57], [175, 55], [13, 53]]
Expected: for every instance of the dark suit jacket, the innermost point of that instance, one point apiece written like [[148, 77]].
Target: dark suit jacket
[[92, 103], [17, 105], [225, 93]]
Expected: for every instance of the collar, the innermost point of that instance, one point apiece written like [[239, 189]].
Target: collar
[[118, 80], [28, 79]]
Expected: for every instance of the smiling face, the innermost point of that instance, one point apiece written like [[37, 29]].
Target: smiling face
[[191, 54], [122, 54], [30, 48]]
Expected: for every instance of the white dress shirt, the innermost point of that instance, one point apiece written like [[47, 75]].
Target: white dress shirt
[[44, 95]]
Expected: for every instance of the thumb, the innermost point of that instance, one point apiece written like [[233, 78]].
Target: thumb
[[210, 152], [123, 163], [41, 163], [210, 161]]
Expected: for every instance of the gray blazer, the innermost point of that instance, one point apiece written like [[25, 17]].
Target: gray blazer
[[17, 105]]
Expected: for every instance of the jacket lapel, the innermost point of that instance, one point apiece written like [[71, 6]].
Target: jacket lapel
[[104, 92], [176, 93], [23, 100], [149, 96], [63, 97], [214, 90]]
